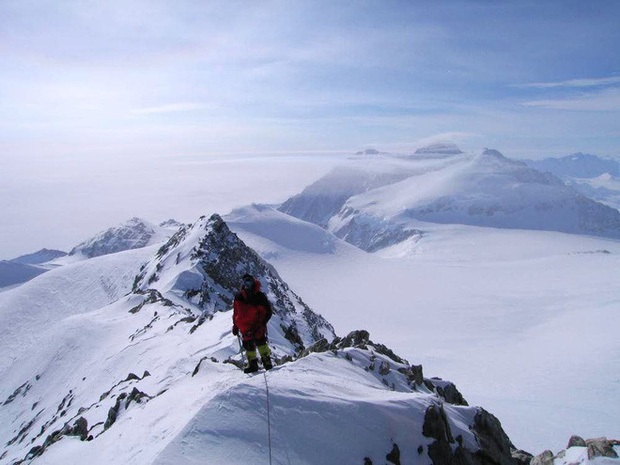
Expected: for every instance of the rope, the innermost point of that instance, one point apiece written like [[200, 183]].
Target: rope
[[268, 416], [268, 403]]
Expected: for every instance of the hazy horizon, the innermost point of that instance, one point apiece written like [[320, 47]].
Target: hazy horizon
[[97, 96]]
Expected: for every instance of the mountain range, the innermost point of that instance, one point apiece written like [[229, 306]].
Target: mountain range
[[595, 177], [122, 352]]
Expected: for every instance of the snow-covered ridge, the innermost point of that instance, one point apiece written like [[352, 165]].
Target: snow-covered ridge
[[200, 268], [145, 367], [93, 372]]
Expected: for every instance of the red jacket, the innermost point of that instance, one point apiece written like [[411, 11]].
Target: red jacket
[[251, 313]]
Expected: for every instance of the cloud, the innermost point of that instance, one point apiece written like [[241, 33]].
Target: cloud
[[607, 100], [576, 83]]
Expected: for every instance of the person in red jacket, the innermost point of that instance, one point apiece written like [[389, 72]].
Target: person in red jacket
[[251, 312]]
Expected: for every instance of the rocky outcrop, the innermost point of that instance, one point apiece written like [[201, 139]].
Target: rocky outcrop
[[591, 449], [545, 458], [601, 447], [446, 390], [494, 445]]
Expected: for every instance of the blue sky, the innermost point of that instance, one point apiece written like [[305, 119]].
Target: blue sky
[[90, 79]]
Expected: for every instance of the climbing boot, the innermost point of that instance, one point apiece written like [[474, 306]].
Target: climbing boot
[[267, 365], [251, 367]]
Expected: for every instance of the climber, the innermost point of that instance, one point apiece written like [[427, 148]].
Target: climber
[[251, 312]]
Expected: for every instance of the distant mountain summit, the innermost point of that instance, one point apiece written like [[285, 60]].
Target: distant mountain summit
[[595, 177], [41, 256], [368, 152], [577, 165], [439, 149], [377, 205], [132, 234]]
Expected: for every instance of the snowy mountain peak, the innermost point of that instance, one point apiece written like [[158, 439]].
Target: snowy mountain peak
[[171, 224], [41, 256], [200, 268], [369, 152], [389, 203], [132, 234], [439, 148], [493, 153]]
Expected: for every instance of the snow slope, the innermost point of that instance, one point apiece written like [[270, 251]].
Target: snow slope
[[322, 199], [140, 379], [315, 417], [525, 322]]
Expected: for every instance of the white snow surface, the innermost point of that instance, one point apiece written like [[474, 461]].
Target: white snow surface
[[481, 190], [524, 322], [325, 408]]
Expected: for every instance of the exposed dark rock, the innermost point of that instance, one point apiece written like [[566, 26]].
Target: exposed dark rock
[[359, 339], [152, 296], [197, 369], [600, 447], [495, 446], [521, 457], [322, 345], [446, 390], [576, 441], [414, 374], [384, 368], [440, 453], [394, 455], [292, 335], [17, 391], [436, 424], [79, 428], [134, 396], [544, 458]]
